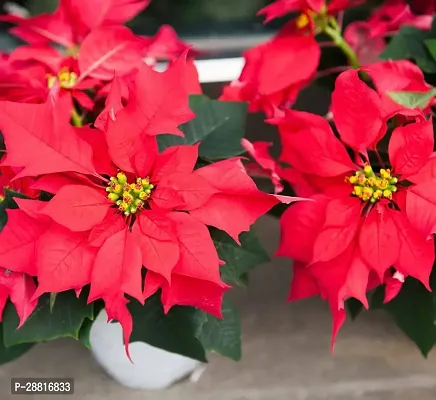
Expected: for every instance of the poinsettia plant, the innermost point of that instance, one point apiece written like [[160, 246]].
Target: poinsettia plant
[[368, 164], [121, 188]]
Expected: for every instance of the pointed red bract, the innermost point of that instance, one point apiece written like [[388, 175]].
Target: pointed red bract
[[18, 242], [117, 267], [175, 159], [110, 49], [78, 208], [417, 252], [156, 237], [198, 256], [350, 97], [339, 230], [44, 141], [63, 259], [300, 224], [185, 291], [237, 203], [311, 146], [19, 288], [379, 240], [116, 309], [421, 207], [113, 223], [158, 103], [113, 104], [410, 147]]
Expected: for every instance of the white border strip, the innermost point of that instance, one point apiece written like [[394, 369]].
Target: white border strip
[[219, 70], [214, 70]]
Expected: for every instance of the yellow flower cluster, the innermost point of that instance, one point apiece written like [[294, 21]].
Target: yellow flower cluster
[[66, 79], [369, 186], [129, 197]]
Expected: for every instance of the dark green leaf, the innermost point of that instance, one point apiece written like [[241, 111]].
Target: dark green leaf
[[218, 125], [409, 43], [175, 332], [223, 336], [67, 317], [353, 307], [412, 99], [11, 353], [84, 332], [431, 46], [238, 259], [414, 312]]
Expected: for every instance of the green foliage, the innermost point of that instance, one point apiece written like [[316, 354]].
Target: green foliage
[[413, 99], [218, 125], [187, 330], [66, 320], [414, 311], [239, 260], [223, 336], [8, 354], [415, 44], [176, 331]]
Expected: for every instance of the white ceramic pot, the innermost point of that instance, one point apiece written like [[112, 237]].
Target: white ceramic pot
[[152, 368]]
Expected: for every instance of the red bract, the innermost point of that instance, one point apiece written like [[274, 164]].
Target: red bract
[[397, 76], [73, 20], [364, 220], [279, 8], [367, 37], [153, 212], [23, 185], [265, 81], [19, 288]]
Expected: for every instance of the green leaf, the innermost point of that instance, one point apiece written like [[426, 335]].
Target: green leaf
[[413, 99], [84, 332], [8, 203], [176, 332], [410, 43], [413, 310], [354, 308], [69, 313], [223, 336], [431, 46], [11, 353], [218, 125], [238, 259]]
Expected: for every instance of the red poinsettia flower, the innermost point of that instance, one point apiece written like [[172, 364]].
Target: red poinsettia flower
[[310, 8], [19, 288], [73, 20], [265, 81], [367, 219], [152, 210], [367, 38], [41, 67]]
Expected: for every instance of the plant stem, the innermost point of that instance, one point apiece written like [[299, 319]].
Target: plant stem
[[343, 45], [333, 70], [76, 118]]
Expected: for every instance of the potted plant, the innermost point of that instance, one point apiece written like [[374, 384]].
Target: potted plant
[[125, 197], [366, 238]]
